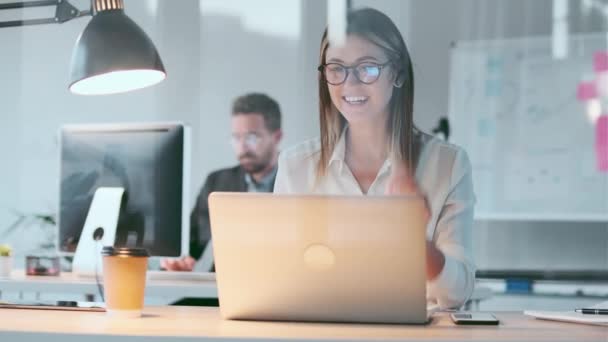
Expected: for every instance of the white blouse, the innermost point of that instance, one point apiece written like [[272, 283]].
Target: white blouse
[[443, 174]]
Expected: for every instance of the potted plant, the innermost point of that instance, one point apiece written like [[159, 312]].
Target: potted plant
[[30, 234], [6, 261]]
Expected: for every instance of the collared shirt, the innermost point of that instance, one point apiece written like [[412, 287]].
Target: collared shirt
[[443, 174], [265, 185]]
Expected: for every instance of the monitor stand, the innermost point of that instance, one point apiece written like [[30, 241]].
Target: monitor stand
[[99, 231]]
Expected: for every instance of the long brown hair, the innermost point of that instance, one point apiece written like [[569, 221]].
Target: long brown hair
[[377, 28]]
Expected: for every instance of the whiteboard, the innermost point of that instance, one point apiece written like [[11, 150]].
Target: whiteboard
[[513, 107]]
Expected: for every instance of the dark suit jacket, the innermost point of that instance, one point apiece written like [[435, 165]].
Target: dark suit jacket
[[232, 180]]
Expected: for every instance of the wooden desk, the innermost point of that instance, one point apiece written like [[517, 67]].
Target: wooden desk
[[70, 283], [205, 324]]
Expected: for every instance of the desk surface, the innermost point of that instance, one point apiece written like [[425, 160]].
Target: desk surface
[[205, 324], [70, 283]]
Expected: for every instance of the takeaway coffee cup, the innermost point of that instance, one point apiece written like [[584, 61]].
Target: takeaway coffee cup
[[124, 280]]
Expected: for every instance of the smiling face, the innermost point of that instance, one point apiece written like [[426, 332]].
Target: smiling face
[[357, 101]]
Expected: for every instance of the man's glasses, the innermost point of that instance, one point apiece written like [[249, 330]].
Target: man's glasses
[[250, 140], [365, 72]]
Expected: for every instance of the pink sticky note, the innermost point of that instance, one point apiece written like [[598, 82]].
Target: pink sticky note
[[600, 61], [586, 91], [601, 143]]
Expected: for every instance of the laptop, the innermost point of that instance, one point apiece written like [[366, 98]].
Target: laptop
[[320, 258]]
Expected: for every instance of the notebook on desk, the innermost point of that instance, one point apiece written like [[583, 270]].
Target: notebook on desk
[[569, 316], [320, 258], [572, 316]]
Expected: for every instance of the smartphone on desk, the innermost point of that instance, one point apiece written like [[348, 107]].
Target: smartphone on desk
[[54, 305], [474, 318]]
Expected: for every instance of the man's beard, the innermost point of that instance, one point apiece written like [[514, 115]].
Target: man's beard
[[253, 168], [254, 164]]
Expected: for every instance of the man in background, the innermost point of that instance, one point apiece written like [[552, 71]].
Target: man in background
[[256, 134]]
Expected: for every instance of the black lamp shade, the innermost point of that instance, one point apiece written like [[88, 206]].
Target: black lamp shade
[[114, 55]]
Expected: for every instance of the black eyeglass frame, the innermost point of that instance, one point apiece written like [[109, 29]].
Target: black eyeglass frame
[[321, 69]]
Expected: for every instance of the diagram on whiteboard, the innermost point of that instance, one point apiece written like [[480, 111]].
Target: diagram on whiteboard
[[514, 108]]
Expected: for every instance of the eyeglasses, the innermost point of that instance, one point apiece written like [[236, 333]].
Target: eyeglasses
[[250, 140], [365, 72]]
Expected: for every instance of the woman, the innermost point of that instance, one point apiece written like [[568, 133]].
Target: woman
[[369, 146]]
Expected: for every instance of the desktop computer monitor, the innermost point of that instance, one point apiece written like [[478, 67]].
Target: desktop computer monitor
[[149, 161]]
